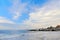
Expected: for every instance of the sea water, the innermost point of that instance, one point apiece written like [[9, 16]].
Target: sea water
[[29, 35]]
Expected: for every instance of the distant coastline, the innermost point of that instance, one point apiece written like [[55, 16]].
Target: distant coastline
[[51, 28]]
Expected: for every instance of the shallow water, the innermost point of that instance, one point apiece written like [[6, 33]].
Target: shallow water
[[38, 35]]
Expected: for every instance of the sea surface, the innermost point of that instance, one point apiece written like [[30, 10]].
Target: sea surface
[[29, 35]]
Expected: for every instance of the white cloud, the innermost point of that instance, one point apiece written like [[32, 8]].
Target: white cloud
[[16, 15], [46, 16], [18, 8], [43, 17], [5, 20], [6, 24]]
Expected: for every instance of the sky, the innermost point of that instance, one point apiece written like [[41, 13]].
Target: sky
[[29, 14]]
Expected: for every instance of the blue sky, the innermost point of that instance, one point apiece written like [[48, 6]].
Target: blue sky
[[27, 14]]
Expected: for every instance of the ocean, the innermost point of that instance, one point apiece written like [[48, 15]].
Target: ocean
[[29, 35]]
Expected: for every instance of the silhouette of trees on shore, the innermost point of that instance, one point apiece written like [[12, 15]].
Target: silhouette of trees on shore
[[51, 28]]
